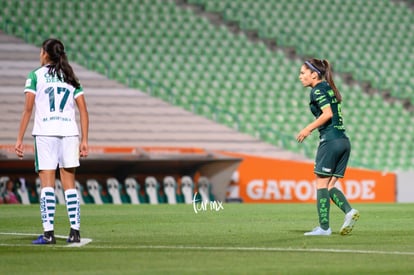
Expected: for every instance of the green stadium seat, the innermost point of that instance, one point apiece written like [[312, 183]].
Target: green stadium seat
[[163, 44]]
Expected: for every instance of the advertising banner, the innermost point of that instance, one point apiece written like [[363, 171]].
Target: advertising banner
[[268, 180]]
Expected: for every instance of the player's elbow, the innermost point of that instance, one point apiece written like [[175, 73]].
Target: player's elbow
[[28, 110]]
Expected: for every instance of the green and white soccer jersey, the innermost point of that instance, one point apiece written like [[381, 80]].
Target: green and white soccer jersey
[[55, 104], [321, 96]]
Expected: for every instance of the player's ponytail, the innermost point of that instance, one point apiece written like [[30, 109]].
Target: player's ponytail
[[324, 70], [329, 79], [59, 65]]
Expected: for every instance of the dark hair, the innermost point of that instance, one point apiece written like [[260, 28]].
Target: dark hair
[[59, 66], [324, 70]]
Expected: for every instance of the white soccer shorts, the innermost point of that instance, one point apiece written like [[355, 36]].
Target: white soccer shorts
[[52, 151]]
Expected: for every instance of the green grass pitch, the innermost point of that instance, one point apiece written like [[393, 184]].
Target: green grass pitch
[[239, 239]]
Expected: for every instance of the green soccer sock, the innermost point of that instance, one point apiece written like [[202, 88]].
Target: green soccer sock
[[323, 205], [339, 199]]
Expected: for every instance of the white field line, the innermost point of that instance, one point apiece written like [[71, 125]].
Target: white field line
[[83, 241], [256, 249]]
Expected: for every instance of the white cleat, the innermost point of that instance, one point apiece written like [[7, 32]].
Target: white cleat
[[318, 231], [350, 218]]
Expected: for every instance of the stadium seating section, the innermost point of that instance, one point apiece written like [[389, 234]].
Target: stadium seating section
[[176, 53]]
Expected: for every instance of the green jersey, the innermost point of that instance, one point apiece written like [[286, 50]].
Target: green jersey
[[321, 96]]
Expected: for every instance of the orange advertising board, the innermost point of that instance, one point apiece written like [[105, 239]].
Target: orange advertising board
[[268, 180]]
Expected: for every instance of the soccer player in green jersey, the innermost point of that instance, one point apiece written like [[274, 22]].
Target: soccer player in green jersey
[[55, 90], [334, 146]]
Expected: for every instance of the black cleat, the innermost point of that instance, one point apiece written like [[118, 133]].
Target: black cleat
[[74, 236]]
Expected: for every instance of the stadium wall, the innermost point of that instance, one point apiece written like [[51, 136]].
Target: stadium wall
[[405, 187], [234, 177]]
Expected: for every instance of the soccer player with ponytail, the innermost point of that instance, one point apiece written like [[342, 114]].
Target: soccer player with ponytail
[[55, 90], [334, 146]]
